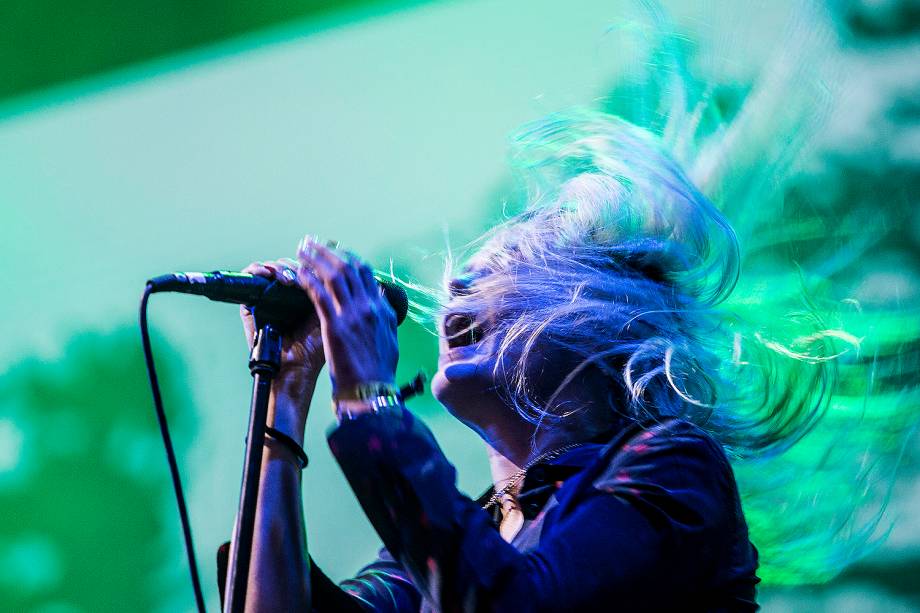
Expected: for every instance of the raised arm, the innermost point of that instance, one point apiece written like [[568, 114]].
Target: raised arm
[[354, 324], [279, 578]]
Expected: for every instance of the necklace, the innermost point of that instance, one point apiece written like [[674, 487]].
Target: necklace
[[519, 475]]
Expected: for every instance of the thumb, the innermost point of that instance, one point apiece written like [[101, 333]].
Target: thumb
[[249, 325]]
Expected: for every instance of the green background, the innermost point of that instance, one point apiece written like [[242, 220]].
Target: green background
[[139, 138]]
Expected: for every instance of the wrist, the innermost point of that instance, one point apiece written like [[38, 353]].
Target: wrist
[[288, 413], [364, 390], [295, 382], [368, 397], [279, 442]]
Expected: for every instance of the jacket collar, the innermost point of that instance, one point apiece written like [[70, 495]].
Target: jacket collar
[[544, 478]]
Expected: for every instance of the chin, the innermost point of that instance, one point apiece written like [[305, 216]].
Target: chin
[[465, 388], [451, 384]]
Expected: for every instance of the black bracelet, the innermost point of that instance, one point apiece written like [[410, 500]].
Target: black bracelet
[[291, 445]]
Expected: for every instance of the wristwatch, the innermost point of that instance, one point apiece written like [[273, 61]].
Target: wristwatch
[[369, 397]]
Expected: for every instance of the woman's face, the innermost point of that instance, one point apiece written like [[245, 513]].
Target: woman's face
[[469, 374], [468, 349]]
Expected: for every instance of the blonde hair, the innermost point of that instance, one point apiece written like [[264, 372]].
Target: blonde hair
[[618, 258], [620, 251]]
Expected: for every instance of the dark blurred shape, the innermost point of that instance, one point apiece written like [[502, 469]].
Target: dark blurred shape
[[45, 42], [896, 576], [84, 487], [879, 18]]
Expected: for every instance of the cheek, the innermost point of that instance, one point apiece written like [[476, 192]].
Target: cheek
[[438, 386], [459, 383], [466, 375], [467, 392], [465, 372]]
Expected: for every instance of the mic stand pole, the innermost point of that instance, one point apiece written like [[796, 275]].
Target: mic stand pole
[[264, 363]]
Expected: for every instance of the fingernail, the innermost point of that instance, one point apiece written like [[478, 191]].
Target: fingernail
[[306, 245], [306, 272]]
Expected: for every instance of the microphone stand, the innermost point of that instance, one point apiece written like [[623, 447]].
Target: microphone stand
[[264, 363]]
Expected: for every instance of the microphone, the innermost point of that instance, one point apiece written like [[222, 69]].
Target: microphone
[[271, 300]]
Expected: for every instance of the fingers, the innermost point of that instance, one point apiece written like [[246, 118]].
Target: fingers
[[371, 287], [338, 275], [284, 271], [341, 266], [257, 268], [326, 308], [332, 279]]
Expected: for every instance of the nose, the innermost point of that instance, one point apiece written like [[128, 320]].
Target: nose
[[460, 285]]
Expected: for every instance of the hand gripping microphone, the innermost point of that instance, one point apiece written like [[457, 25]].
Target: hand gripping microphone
[[272, 301]]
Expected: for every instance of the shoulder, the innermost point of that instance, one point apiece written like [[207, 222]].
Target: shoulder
[[667, 495], [672, 465], [668, 440]]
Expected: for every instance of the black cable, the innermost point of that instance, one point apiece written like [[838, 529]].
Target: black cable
[[170, 453]]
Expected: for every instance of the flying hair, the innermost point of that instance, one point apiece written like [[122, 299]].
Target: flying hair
[[650, 240]]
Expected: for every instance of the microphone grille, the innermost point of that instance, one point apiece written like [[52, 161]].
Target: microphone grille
[[397, 298]]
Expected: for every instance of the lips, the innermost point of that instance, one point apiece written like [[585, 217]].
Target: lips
[[457, 354], [461, 330]]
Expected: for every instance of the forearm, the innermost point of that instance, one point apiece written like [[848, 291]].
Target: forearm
[[407, 489], [279, 567]]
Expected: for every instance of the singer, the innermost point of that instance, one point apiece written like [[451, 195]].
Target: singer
[[575, 342]]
